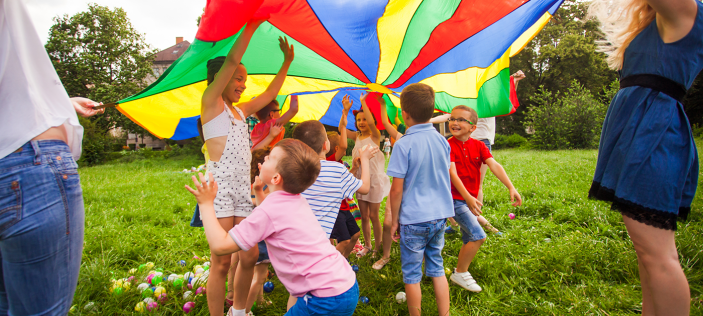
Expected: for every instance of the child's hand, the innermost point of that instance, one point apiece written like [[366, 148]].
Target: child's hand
[[347, 104], [395, 231], [258, 184], [356, 163], [474, 206], [364, 95], [519, 75], [367, 152], [515, 198], [288, 53], [205, 192], [276, 129]]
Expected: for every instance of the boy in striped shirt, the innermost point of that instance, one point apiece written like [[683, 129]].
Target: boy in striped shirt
[[335, 182]]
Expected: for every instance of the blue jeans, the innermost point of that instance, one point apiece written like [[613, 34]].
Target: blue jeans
[[471, 230], [41, 229], [341, 305], [418, 241]]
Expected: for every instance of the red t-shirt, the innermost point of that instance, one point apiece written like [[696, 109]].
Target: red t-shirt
[[261, 131], [345, 205], [468, 158]]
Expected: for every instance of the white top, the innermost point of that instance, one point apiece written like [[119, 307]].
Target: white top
[[333, 184], [219, 126], [485, 129], [32, 98]]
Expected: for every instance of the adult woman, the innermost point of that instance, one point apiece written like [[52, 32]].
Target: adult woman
[[647, 161]]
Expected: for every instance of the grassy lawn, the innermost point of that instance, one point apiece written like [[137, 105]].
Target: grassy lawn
[[563, 254]]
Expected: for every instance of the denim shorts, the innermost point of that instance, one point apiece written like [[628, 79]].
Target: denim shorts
[[488, 144], [471, 230], [418, 241], [263, 253], [341, 305], [41, 229]]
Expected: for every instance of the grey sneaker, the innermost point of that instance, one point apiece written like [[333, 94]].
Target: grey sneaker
[[466, 281]]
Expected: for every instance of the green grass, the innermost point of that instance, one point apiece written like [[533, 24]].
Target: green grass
[[139, 212]]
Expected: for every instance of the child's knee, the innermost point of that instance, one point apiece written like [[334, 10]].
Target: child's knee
[[373, 215], [248, 258], [355, 237], [220, 264]]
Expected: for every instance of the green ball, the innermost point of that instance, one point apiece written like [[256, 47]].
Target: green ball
[[147, 293], [142, 266], [178, 283], [206, 268], [156, 280], [159, 270], [117, 291]]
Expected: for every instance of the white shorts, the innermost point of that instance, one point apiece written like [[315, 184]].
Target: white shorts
[[233, 193]]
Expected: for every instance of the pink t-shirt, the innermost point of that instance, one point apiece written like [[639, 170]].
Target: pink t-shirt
[[262, 130], [299, 250]]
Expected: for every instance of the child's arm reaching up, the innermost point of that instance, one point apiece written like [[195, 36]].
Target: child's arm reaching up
[[500, 173], [292, 111], [392, 131], [220, 241], [472, 202], [342, 144]]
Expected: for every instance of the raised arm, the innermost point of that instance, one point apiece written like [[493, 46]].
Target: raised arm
[[384, 120], [342, 144], [274, 87], [210, 104], [375, 133], [500, 173], [519, 75], [440, 119], [292, 111], [273, 132], [472, 202]]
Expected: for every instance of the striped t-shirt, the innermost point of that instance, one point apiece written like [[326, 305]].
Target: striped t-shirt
[[334, 184]]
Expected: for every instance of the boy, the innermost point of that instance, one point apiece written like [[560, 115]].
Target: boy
[[334, 183], [305, 262], [421, 198], [270, 116], [467, 156]]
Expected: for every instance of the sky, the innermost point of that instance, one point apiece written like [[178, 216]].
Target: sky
[[161, 21]]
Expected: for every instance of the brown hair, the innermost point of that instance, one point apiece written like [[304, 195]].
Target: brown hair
[[311, 133], [264, 112], [258, 156], [300, 166], [213, 67], [356, 113], [417, 100], [473, 116], [200, 129], [333, 137]]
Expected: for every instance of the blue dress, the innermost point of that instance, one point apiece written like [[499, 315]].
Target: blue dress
[[647, 159]]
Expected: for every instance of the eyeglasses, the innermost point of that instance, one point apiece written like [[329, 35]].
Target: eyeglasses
[[279, 110], [460, 120]]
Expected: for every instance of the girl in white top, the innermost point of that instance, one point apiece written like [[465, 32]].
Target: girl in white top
[[227, 139]]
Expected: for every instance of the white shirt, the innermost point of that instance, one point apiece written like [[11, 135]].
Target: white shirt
[[32, 98], [325, 196], [485, 129]]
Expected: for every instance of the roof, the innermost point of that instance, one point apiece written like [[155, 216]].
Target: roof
[[169, 55]]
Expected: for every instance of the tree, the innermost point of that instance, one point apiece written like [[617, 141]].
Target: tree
[[693, 103], [99, 55]]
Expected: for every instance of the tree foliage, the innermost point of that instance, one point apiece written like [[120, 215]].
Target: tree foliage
[[99, 55]]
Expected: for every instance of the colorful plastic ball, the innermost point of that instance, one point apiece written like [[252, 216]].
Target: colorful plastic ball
[[158, 274], [153, 306], [182, 263], [200, 290], [511, 215], [268, 287], [172, 277], [188, 275], [90, 307], [447, 271], [188, 306], [190, 286], [141, 307], [117, 291], [147, 293], [148, 300], [163, 297], [149, 278], [196, 257], [159, 270], [142, 286], [199, 271], [206, 268], [142, 267], [149, 265], [355, 268], [187, 295], [364, 299], [400, 297], [156, 280], [159, 290], [73, 309], [196, 268], [178, 283], [206, 264], [130, 279], [132, 271]]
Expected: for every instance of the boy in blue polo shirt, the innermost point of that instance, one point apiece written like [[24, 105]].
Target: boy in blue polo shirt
[[421, 198]]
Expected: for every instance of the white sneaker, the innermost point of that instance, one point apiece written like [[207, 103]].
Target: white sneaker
[[466, 281]]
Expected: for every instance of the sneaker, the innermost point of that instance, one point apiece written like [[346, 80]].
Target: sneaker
[[466, 281]]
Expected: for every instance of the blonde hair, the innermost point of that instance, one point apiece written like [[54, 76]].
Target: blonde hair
[[621, 21]]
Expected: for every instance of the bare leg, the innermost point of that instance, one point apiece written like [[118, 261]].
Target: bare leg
[[257, 285], [667, 286], [387, 223], [466, 255], [244, 275], [350, 245], [647, 299], [441, 294], [342, 247], [230, 275], [365, 222], [219, 266], [291, 301], [374, 209], [413, 294]]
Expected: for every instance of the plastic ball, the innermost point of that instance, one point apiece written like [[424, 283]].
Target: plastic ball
[[163, 297], [187, 295], [511, 215], [188, 306], [159, 270], [90, 307], [147, 293], [188, 276], [142, 267], [158, 274], [117, 291], [73, 309], [159, 290], [206, 268], [182, 263], [400, 297], [156, 280], [268, 287], [447, 271], [178, 283], [141, 307], [132, 271], [196, 281], [149, 278], [130, 279], [142, 286], [199, 271], [196, 257], [153, 306], [148, 300], [196, 268], [364, 299], [149, 265], [206, 264], [355, 268], [172, 277], [200, 290], [190, 286]]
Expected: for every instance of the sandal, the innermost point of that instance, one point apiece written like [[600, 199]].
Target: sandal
[[363, 252], [492, 229], [229, 303], [381, 263]]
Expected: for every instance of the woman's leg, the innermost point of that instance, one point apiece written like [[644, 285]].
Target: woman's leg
[[365, 224], [261, 271], [647, 299], [244, 274], [374, 209], [666, 283], [230, 275], [219, 266]]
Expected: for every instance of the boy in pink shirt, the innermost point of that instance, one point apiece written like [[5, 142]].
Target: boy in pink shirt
[[305, 261], [271, 116]]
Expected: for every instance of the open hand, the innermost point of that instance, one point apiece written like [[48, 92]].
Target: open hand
[[347, 103], [288, 53], [276, 129], [85, 107], [367, 152], [474, 206], [515, 198], [205, 191]]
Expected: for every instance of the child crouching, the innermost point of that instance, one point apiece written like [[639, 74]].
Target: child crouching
[[305, 262]]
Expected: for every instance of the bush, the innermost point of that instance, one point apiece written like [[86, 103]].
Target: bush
[[512, 141], [350, 146], [571, 121], [697, 130]]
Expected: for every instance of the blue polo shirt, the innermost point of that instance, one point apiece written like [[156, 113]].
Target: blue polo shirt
[[421, 157]]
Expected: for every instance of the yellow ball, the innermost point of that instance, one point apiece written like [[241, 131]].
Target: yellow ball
[[141, 307], [196, 268], [159, 290], [132, 271], [149, 265]]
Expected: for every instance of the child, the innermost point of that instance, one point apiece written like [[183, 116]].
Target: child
[[421, 198], [387, 148], [305, 262], [270, 116], [467, 156], [227, 138]]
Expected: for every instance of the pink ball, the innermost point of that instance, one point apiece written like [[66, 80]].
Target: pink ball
[[148, 278], [196, 258], [130, 279], [511, 215], [190, 286], [152, 306], [188, 306], [200, 290], [163, 297]]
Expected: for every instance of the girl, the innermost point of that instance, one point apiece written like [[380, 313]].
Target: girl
[[227, 139], [647, 160]]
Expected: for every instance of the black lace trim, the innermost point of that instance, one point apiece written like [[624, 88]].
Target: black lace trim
[[645, 215]]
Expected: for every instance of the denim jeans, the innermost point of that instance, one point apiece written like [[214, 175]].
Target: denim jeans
[[471, 230], [418, 241], [341, 305], [41, 229]]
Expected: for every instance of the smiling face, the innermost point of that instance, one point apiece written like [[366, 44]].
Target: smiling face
[[361, 123], [236, 86], [463, 128]]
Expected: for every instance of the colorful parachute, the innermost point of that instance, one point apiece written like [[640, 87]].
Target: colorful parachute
[[460, 48]]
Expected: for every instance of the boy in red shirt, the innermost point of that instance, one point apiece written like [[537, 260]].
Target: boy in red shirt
[[467, 155], [270, 116]]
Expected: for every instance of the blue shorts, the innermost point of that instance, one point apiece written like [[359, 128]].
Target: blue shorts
[[488, 144], [418, 241], [263, 253], [341, 305], [471, 230]]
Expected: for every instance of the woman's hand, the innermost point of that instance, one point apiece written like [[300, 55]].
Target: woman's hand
[[85, 107]]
